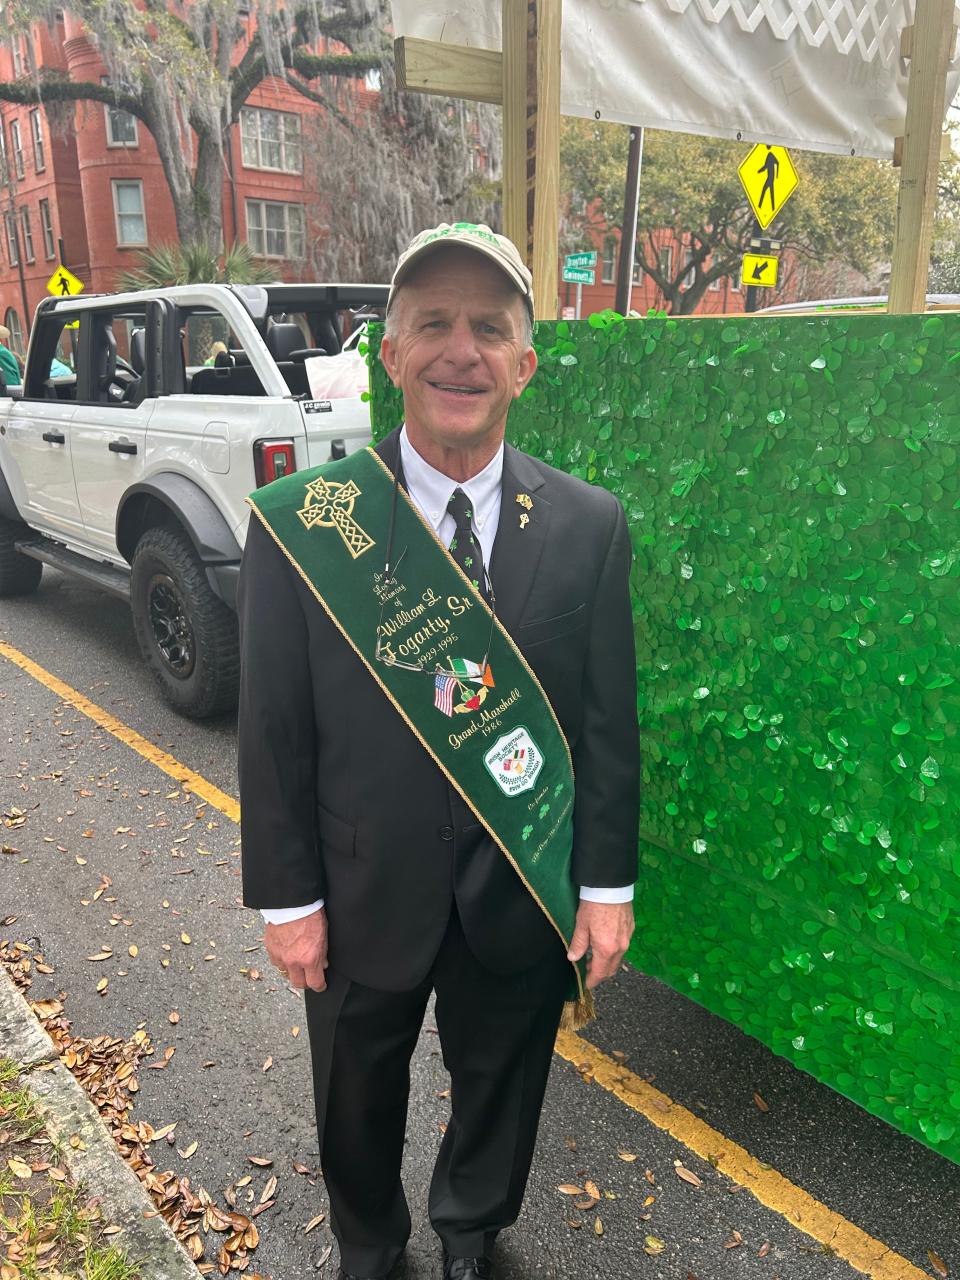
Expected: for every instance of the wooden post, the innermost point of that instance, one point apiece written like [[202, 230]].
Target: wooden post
[[930, 48], [525, 79], [543, 165]]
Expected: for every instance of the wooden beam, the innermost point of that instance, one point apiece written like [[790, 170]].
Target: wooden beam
[[450, 70], [946, 149], [544, 172], [931, 47], [514, 44]]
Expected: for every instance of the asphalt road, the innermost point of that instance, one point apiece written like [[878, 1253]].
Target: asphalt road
[[95, 808]]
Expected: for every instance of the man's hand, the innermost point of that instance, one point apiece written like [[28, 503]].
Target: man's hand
[[299, 950], [605, 929]]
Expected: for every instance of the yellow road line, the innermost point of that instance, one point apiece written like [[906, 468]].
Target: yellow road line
[[167, 763], [772, 1189]]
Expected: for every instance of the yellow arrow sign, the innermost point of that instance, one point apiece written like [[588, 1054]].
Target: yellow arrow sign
[[760, 268], [63, 283], [769, 179]]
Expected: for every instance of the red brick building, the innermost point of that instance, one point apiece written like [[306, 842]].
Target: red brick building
[[90, 196]]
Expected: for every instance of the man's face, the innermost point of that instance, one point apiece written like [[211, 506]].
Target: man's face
[[457, 353]]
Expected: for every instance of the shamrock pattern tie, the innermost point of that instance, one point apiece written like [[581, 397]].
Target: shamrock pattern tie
[[465, 547]]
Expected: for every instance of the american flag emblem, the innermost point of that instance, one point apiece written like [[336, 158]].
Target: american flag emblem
[[444, 686]]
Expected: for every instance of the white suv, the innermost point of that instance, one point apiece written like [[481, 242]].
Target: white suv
[[132, 471]]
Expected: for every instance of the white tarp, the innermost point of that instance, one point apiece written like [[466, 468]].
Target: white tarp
[[819, 75]]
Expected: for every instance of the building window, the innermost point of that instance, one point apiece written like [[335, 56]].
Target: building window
[[46, 226], [31, 62], [16, 143], [690, 275], [10, 224], [121, 125], [608, 263], [665, 262], [373, 80], [16, 50], [36, 128], [27, 235], [4, 175], [275, 230], [636, 274], [734, 284], [128, 209], [271, 140], [12, 321]]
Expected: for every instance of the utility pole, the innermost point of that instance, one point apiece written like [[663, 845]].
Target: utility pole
[[628, 236]]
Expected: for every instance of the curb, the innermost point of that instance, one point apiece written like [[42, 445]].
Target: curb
[[95, 1162]]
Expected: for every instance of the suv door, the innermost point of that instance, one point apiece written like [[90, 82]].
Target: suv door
[[38, 436], [116, 399]]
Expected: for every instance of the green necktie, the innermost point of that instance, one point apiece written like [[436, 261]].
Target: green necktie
[[465, 547]]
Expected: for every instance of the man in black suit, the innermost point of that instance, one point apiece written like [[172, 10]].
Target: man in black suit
[[378, 882]]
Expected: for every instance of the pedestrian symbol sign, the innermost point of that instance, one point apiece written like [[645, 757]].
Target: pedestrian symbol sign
[[760, 269], [63, 283], [769, 179]]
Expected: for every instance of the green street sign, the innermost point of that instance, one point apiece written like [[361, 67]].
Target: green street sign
[[577, 276], [580, 260]]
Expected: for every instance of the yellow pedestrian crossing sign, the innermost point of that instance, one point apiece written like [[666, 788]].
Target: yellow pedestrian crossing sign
[[769, 179], [761, 269], [63, 283]]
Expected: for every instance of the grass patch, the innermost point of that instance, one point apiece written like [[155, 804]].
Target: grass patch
[[46, 1225]]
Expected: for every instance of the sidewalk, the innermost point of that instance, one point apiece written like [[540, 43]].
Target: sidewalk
[[85, 1146]]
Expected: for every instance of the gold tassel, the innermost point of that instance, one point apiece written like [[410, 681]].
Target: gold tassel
[[577, 1013]]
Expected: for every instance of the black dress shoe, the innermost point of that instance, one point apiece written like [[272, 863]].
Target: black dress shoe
[[352, 1275], [466, 1268]]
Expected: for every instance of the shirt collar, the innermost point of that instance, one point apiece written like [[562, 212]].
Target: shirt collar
[[430, 489]]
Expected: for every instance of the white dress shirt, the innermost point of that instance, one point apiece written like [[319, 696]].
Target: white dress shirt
[[430, 491]]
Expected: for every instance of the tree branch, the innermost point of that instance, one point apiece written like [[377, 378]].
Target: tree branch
[[57, 88]]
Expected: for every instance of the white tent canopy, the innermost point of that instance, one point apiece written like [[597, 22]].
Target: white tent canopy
[[819, 75]]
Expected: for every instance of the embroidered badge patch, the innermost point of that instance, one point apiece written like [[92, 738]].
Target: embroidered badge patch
[[514, 761]]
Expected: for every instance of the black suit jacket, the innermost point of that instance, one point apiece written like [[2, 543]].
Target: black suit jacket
[[339, 800]]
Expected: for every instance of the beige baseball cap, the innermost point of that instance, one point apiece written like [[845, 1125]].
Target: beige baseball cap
[[471, 235]]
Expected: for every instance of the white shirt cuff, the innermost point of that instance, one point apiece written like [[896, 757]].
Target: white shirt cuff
[[621, 894], [283, 915]]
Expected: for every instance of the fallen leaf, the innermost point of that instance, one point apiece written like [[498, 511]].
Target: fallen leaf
[[269, 1189], [586, 1203], [185, 939], [19, 1168], [133, 950], [938, 1264], [648, 1174], [570, 1143], [102, 985], [162, 1133], [592, 1189], [173, 1017], [626, 1155], [325, 1255], [187, 1152], [264, 1162], [734, 1241], [294, 1031], [268, 1063], [301, 1168], [314, 1222], [759, 1102], [597, 1226], [687, 1175], [764, 1249], [570, 1189], [105, 954], [652, 1245]]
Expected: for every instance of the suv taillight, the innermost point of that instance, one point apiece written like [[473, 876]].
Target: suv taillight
[[273, 459]]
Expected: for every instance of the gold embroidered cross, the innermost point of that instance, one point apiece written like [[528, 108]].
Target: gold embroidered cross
[[330, 505]]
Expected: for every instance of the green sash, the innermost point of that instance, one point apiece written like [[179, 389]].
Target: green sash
[[490, 728]]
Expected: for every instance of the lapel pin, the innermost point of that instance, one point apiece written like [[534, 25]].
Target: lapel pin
[[524, 520], [525, 501]]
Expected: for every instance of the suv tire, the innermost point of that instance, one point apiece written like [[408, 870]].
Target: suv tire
[[19, 574], [187, 635]]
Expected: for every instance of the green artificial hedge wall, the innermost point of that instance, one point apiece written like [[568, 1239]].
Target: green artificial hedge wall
[[792, 486]]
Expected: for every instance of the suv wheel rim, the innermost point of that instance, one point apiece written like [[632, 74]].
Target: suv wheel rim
[[170, 622]]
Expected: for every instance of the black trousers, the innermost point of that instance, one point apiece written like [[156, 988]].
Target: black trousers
[[496, 1035]]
